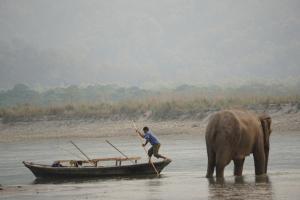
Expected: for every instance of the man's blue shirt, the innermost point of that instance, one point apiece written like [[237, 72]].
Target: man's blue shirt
[[150, 137]]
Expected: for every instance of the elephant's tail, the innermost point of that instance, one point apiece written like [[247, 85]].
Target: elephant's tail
[[212, 128]]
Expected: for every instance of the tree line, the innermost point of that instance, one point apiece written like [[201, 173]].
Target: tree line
[[21, 94]]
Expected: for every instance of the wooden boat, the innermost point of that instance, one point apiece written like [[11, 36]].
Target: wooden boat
[[93, 168]]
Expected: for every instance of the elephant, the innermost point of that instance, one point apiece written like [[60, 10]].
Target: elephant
[[233, 135]]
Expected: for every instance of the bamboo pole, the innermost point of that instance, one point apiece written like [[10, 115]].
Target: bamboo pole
[[71, 153], [146, 151], [82, 152], [118, 150]]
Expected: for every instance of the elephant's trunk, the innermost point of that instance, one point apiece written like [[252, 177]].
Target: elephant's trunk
[[266, 158]]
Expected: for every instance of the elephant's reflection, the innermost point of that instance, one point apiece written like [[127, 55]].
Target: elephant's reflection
[[238, 188]]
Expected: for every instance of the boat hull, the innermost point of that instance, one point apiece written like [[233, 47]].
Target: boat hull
[[46, 171]]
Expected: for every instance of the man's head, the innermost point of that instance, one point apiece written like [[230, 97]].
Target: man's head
[[145, 129]]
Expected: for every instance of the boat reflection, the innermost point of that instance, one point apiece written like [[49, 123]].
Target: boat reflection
[[91, 180]]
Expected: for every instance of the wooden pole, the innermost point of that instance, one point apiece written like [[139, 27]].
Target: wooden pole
[[118, 150], [71, 153], [146, 151], [82, 152]]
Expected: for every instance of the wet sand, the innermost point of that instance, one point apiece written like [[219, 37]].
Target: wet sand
[[20, 131]]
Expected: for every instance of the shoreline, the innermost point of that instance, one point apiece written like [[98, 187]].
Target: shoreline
[[22, 131]]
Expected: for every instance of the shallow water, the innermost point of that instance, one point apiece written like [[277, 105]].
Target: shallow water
[[183, 178]]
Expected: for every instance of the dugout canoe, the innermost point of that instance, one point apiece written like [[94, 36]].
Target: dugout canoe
[[95, 169]]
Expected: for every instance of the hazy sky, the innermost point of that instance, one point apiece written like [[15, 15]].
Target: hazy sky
[[148, 43]]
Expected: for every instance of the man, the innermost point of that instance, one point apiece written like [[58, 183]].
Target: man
[[150, 137]]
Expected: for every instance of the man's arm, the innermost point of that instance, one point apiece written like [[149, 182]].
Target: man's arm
[[145, 143], [141, 135]]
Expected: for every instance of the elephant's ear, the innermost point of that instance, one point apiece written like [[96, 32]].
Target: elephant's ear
[[266, 127]]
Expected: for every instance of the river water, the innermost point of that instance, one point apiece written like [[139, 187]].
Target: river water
[[184, 178]]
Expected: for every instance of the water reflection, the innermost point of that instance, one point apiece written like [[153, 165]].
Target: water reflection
[[240, 188], [91, 180], [153, 189]]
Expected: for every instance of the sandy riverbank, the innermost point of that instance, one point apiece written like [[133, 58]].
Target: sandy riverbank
[[97, 128]]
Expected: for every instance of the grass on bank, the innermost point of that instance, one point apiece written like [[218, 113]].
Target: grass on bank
[[155, 108]]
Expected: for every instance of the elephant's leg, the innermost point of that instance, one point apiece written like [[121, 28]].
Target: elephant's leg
[[223, 158], [220, 170], [238, 166], [259, 160], [211, 164]]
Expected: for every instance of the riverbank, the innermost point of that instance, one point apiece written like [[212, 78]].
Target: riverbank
[[285, 119]]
